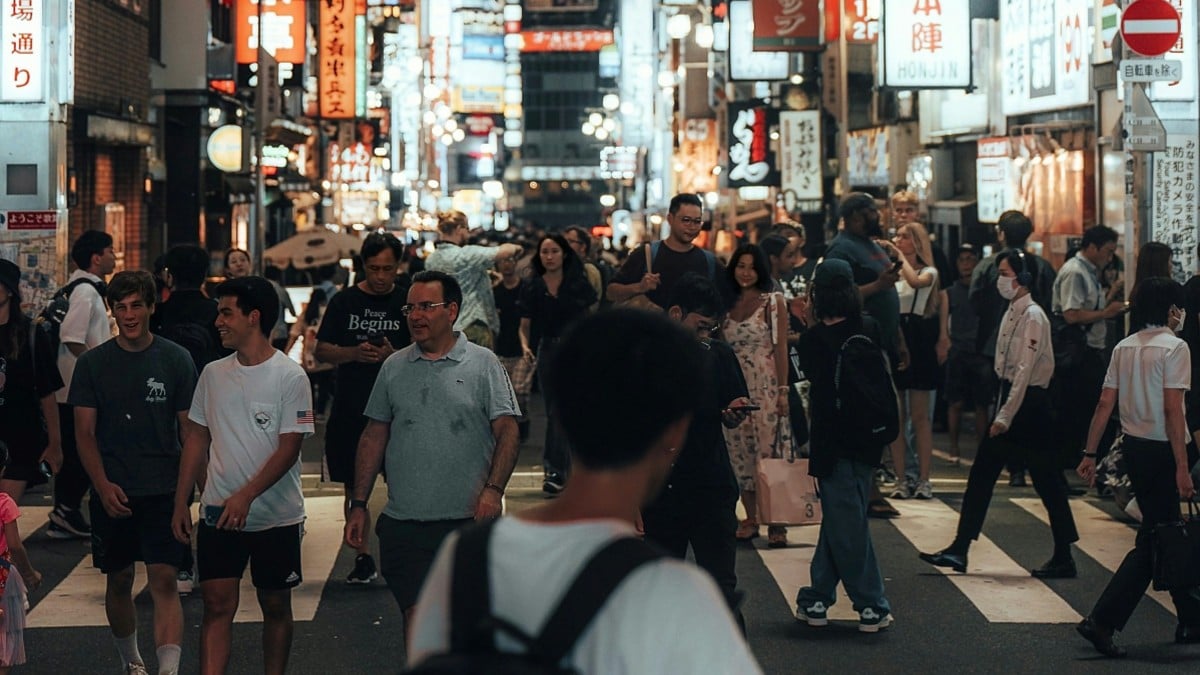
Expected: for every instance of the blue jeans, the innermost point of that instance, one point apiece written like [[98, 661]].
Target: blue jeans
[[912, 470], [844, 551]]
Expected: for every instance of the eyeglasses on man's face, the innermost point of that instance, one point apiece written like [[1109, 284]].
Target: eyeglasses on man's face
[[688, 220], [422, 307]]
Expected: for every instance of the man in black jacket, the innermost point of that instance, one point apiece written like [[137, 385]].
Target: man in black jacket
[[188, 317]]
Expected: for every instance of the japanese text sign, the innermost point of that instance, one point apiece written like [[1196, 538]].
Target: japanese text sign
[[1175, 202], [1044, 51], [800, 153], [33, 220], [1184, 49], [995, 179], [336, 53], [23, 52], [751, 161], [744, 62], [788, 25], [861, 21], [926, 44], [565, 40], [282, 33]]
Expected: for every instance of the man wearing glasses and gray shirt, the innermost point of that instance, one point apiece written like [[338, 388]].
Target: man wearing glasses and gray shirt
[[673, 257]]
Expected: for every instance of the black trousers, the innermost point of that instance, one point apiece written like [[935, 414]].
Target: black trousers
[[71, 482], [1078, 390], [1027, 439], [556, 451], [705, 519], [1151, 467]]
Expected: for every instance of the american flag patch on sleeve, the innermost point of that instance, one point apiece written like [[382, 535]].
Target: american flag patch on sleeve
[[305, 417]]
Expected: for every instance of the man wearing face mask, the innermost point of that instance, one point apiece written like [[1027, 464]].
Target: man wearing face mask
[[1024, 363]]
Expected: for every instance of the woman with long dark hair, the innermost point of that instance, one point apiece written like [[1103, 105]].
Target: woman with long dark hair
[[28, 379], [1153, 261], [757, 327], [556, 295]]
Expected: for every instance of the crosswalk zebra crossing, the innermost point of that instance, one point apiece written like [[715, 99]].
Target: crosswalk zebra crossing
[[998, 587]]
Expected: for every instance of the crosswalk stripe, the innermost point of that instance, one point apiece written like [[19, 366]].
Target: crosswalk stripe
[[790, 569], [1100, 537], [33, 518], [995, 584], [78, 600]]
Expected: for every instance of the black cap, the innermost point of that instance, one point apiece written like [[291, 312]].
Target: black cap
[[10, 276], [966, 248]]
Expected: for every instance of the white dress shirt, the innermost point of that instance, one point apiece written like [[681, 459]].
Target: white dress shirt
[[1024, 356], [1142, 366]]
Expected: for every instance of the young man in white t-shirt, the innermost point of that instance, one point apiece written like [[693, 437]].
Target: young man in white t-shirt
[[250, 412], [667, 616]]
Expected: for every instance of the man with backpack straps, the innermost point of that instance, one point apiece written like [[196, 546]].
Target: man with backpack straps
[[84, 326], [855, 415], [664, 616], [188, 317]]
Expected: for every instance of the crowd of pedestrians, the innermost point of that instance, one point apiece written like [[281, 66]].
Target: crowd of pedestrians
[[157, 394]]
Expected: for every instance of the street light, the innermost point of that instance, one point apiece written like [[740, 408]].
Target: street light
[[611, 102], [607, 201], [679, 26], [704, 35]]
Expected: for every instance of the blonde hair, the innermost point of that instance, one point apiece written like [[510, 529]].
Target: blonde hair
[[905, 197], [449, 221], [920, 237]]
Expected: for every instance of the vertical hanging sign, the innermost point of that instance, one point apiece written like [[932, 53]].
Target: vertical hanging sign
[[800, 154], [23, 51], [926, 44], [788, 25], [338, 79], [751, 161]]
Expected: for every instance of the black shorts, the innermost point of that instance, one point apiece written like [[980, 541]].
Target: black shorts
[[146, 535], [406, 552], [274, 555], [341, 445], [970, 379]]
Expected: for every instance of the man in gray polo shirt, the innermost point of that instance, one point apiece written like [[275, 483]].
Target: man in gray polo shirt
[[443, 416]]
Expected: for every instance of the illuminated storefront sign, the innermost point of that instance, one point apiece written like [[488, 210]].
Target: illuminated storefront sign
[[800, 154], [1045, 49], [744, 62], [565, 40], [225, 148], [868, 160], [751, 161], [788, 25], [995, 180], [861, 21], [926, 44], [697, 157], [283, 23], [23, 50], [336, 54]]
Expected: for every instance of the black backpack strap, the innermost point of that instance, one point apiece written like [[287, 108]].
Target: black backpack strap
[[587, 595], [470, 593]]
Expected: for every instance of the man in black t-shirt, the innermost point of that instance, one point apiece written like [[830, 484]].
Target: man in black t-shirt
[[676, 256], [697, 505], [507, 291], [188, 317], [361, 327]]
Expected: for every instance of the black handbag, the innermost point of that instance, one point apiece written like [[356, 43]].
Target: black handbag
[[1069, 341], [1176, 549]]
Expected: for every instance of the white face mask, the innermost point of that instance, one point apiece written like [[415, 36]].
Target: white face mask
[[1007, 286]]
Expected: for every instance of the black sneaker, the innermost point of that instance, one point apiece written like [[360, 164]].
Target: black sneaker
[[552, 485], [66, 523], [364, 570]]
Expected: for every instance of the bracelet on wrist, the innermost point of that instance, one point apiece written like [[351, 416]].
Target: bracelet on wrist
[[1089, 455], [358, 504], [492, 486]]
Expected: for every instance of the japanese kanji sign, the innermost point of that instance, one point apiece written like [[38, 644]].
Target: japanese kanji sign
[[336, 53], [22, 50], [800, 159], [565, 40], [282, 32], [861, 21], [33, 220], [1045, 47], [995, 179], [926, 44], [1173, 200], [751, 161], [788, 25], [696, 157]]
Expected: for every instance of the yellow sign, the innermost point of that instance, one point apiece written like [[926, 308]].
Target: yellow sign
[[225, 148]]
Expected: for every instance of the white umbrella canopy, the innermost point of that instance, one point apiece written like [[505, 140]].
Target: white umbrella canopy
[[312, 249]]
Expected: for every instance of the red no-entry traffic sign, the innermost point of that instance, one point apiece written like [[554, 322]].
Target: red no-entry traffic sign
[[1150, 27]]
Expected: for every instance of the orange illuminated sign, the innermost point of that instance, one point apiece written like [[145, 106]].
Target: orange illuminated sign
[[283, 23], [337, 58], [565, 40]]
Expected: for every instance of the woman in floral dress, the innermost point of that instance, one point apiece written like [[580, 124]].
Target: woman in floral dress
[[756, 327]]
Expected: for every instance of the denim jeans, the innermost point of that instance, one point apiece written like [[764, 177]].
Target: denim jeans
[[844, 550], [912, 469]]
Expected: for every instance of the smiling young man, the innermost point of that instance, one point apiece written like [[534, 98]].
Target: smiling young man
[[130, 397], [250, 412]]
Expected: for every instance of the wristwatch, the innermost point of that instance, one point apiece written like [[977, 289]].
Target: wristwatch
[[358, 504]]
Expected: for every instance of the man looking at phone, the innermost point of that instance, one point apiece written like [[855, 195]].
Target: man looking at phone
[[362, 326], [131, 396], [697, 504], [249, 414]]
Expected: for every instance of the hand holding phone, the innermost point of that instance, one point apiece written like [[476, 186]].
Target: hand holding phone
[[745, 408], [212, 514]]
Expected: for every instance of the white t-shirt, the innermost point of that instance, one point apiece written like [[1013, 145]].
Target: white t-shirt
[[245, 409], [1142, 366], [665, 617], [916, 300], [85, 323]]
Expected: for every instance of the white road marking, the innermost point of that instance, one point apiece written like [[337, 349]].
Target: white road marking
[[1100, 537], [790, 568], [999, 588], [33, 518]]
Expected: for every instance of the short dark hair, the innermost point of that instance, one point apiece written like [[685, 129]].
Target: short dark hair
[[685, 198], [1098, 236], [253, 293], [582, 233], [602, 350], [1016, 227], [1154, 298], [839, 300], [90, 243], [695, 292], [773, 245], [855, 202], [188, 265], [132, 281], [762, 267], [451, 291], [1019, 262], [378, 242]]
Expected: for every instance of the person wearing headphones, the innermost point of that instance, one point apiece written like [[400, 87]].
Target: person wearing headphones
[[1024, 363]]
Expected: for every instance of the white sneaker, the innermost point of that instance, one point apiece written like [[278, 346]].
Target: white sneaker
[[871, 621], [185, 581], [901, 489], [135, 669], [815, 615], [924, 490]]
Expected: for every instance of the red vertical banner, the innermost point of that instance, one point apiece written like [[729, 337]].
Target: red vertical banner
[[337, 56], [788, 25], [833, 21]]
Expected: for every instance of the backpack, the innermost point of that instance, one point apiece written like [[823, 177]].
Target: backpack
[[49, 321], [196, 338], [473, 626], [868, 414]]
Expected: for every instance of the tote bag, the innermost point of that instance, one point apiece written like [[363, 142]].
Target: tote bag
[[786, 494]]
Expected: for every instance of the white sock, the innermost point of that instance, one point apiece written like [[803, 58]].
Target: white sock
[[168, 659], [127, 647]]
